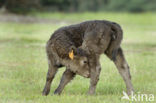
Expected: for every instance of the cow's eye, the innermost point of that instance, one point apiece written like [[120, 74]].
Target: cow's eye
[[84, 62]]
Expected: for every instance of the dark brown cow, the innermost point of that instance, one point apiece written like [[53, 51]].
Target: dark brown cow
[[87, 40]]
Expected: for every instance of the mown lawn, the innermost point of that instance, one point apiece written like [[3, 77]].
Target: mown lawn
[[23, 63]]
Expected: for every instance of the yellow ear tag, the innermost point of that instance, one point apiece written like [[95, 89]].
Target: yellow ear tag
[[71, 55]]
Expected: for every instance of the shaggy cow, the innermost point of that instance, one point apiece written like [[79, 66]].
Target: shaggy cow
[[78, 47]]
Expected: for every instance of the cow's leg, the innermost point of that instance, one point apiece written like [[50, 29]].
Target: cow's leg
[[94, 75], [68, 75], [50, 76], [124, 71]]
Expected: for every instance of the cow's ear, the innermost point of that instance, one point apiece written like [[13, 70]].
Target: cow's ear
[[71, 54]]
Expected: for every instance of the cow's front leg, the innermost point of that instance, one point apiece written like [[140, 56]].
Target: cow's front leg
[[95, 69], [68, 75]]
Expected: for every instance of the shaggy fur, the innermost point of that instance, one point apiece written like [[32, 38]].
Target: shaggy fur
[[88, 40]]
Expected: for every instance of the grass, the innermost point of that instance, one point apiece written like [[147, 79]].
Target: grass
[[23, 63]]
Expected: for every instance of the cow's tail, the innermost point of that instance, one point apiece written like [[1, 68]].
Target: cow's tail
[[116, 38]]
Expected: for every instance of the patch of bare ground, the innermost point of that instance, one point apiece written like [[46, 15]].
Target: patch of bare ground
[[9, 17]]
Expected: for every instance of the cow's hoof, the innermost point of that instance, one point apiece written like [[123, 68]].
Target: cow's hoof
[[91, 92], [45, 92], [129, 92], [57, 92]]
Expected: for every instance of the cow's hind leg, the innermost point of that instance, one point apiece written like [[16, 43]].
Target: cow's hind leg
[[50, 76], [68, 75], [123, 69]]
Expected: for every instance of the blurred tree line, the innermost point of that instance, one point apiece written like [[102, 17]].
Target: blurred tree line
[[79, 5]]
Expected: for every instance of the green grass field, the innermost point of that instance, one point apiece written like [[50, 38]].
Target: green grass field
[[23, 63]]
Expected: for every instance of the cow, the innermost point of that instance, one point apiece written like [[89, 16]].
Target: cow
[[78, 47]]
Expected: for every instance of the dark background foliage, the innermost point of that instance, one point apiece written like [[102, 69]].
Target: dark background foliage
[[79, 5]]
